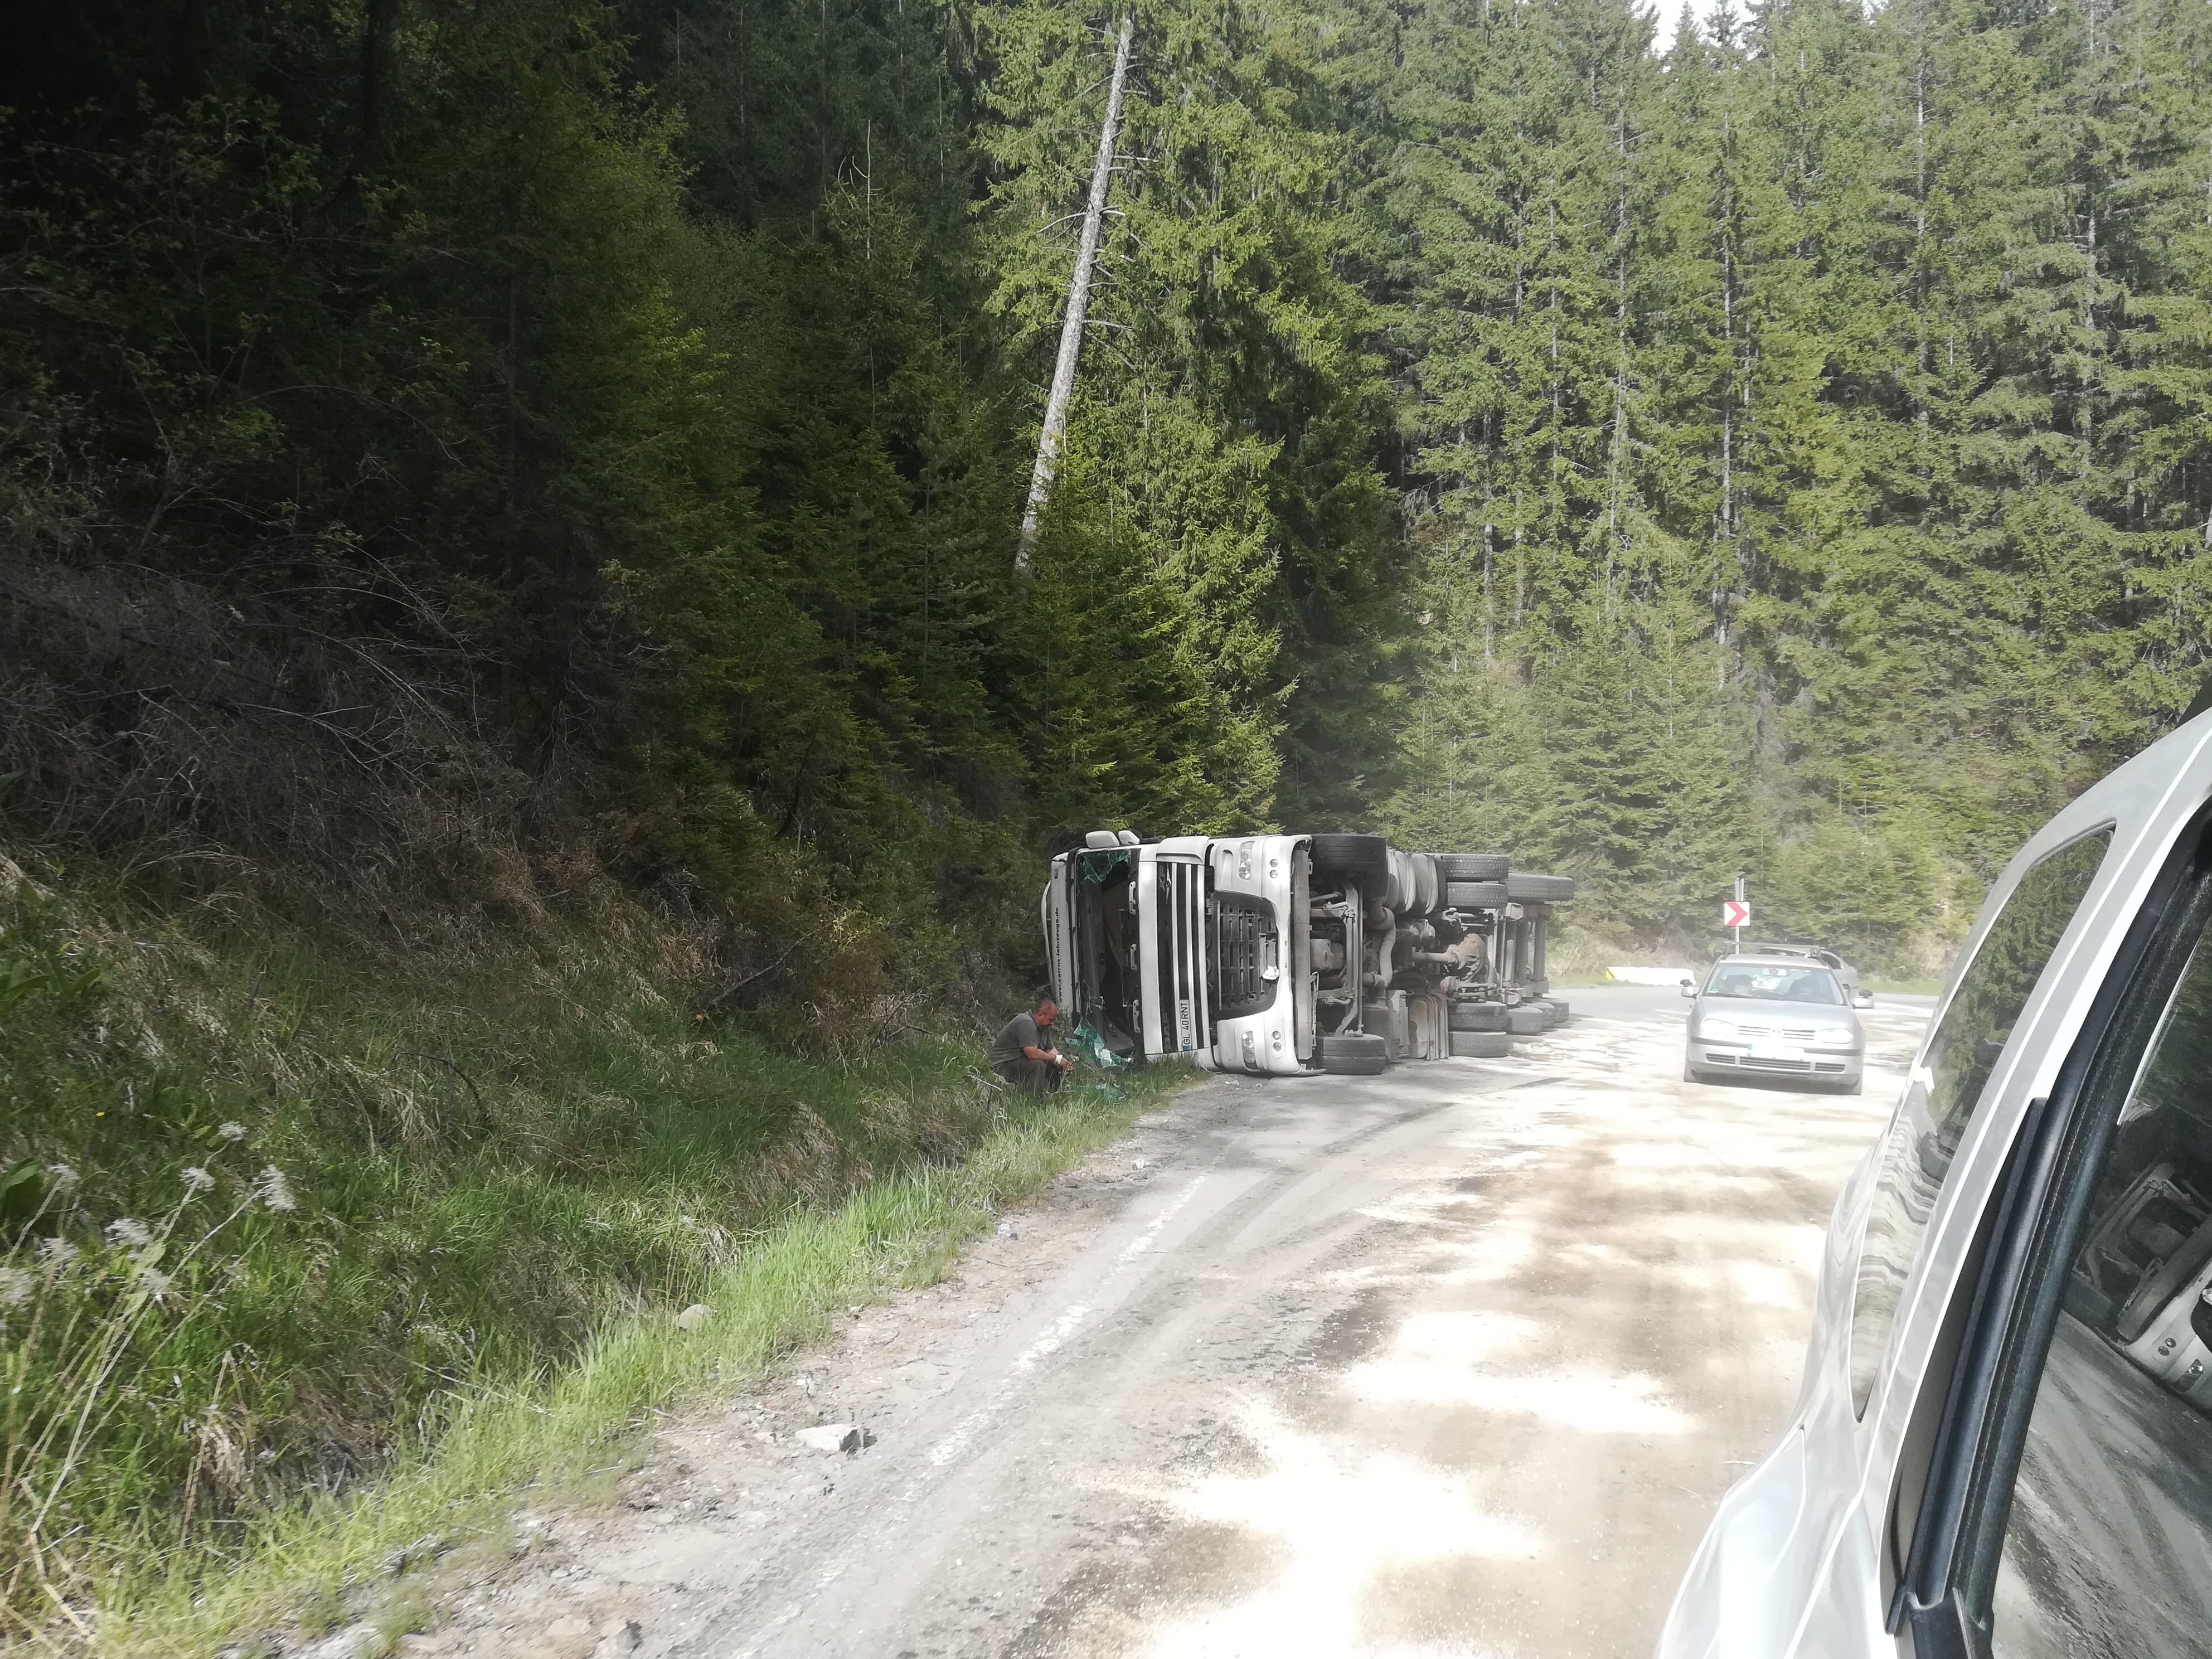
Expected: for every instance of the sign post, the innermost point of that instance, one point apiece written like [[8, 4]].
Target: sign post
[[1736, 912]]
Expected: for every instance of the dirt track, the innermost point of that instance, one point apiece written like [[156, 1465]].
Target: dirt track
[[1454, 1361]]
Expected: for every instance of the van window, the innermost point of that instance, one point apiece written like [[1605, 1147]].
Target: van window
[[1924, 1134], [2108, 1547]]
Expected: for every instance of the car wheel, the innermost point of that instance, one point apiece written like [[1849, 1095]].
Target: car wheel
[[1481, 1045], [1856, 1086], [1366, 859], [1354, 1055], [1690, 1074]]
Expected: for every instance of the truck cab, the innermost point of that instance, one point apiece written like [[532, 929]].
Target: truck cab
[[1180, 948]]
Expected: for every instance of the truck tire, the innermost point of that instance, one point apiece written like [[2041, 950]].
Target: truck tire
[[1366, 859], [1399, 893], [1353, 1055], [1558, 1011], [1480, 1045], [1477, 1017], [1527, 1020], [1429, 886], [1475, 895], [1470, 866], [1528, 888]]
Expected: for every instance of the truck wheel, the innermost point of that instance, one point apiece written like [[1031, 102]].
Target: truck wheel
[[1398, 891], [1477, 1017], [1559, 1011], [1366, 859], [1532, 889], [1527, 1020], [1480, 1045], [1475, 895], [1354, 1055], [1429, 886], [1470, 866]]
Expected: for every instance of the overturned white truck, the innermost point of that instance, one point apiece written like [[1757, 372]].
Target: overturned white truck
[[1285, 955]]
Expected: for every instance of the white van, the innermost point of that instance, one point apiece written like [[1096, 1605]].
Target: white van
[[2002, 1443]]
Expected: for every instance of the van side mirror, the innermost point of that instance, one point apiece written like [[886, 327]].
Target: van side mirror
[[1689, 987], [1863, 999]]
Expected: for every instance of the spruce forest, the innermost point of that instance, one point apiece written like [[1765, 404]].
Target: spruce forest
[[606, 425], [525, 760]]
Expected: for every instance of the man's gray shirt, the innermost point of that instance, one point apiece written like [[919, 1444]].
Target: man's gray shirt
[[1021, 1032]]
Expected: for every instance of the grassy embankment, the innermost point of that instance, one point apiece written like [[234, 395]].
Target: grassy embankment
[[313, 1253]]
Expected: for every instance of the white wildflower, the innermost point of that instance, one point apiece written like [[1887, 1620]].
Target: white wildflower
[[63, 1176], [232, 1131], [155, 1284], [272, 1189], [198, 1180], [134, 1234], [15, 1287], [55, 1256]]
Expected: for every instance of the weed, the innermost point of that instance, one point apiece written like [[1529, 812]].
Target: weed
[[402, 1613], [784, 1288], [319, 1610], [302, 1254]]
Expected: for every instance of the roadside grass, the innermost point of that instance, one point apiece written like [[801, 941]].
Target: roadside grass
[[1925, 987], [304, 1245], [786, 1289]]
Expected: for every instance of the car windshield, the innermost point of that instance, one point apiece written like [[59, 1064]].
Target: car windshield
[[1769, 982]]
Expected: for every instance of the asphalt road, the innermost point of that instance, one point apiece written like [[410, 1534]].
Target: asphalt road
[[1454, 1361]]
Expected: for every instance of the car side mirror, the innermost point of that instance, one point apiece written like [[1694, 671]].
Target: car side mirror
[[1863, 999], [1689, 987]]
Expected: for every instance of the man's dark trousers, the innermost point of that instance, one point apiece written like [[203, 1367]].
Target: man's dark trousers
[[1035, 1077]]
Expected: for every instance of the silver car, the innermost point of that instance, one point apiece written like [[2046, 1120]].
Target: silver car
[[1775, 1016], [2003, 1442]]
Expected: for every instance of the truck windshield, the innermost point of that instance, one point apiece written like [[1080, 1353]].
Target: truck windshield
[[1771, 983]]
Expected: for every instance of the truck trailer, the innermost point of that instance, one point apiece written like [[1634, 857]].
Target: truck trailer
[[1285, 955]]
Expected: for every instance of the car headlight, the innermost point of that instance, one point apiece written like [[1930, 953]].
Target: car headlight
[[1834, 1034], [1719, 1029]]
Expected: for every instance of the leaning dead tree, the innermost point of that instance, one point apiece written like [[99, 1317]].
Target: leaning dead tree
[[1079, 300]]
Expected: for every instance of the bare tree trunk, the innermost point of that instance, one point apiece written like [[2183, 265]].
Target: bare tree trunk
[[1078, 301]]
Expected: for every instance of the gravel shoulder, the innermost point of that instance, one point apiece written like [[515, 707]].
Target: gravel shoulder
[[1454, 1361]]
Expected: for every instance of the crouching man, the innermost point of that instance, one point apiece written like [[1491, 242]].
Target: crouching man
[[1019, 1052]]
